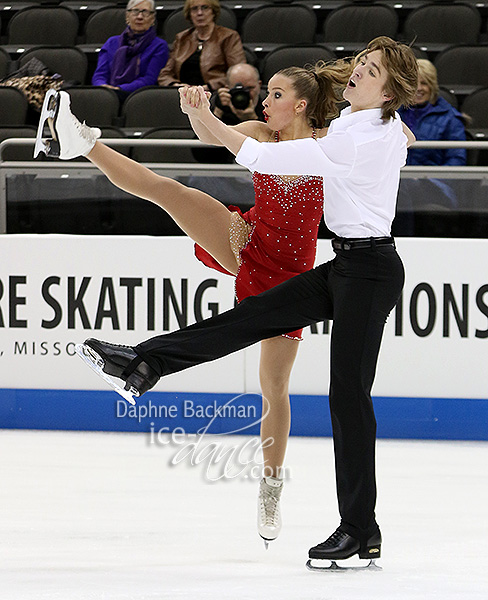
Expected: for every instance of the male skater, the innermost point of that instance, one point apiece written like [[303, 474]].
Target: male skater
[[360, 161]]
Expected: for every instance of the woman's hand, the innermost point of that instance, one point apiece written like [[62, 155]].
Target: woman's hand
[[194, 100]]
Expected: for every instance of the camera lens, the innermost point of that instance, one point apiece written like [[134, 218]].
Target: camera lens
[[240, 96]]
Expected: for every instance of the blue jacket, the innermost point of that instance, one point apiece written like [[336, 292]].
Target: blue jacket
[[153, 59], [439, 121]]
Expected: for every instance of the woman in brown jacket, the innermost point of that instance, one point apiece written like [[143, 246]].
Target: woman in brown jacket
[[202, 54]]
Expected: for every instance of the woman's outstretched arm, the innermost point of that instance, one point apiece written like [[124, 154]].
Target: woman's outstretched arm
[[211, 130], [205, 129]]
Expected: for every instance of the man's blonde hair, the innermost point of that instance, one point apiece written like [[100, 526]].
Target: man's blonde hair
[[402, 73]]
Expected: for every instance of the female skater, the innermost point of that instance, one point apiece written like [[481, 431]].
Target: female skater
[[272, 242]]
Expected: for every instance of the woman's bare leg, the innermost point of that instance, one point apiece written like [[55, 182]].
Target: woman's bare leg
[[277, 358], [204, 219]]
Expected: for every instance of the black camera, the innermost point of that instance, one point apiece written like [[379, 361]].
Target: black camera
[[240, 96]]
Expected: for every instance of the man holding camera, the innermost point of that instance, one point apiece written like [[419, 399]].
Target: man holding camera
[[240, 100]]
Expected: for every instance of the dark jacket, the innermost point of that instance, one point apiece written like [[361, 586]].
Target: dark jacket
[[221, 51], [439, 121]]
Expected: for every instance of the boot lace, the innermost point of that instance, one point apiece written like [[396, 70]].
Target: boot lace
[[84, 130], [269, 497], [334, 539]]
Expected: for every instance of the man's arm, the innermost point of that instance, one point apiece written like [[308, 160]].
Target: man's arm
[[410, 135]]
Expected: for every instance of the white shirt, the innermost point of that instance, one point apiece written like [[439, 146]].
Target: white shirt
[[360, 160]]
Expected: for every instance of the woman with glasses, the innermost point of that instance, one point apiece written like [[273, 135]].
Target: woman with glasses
[[133, 59], [202, 54]]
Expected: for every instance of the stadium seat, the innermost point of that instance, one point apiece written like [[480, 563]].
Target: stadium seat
[[463, 66], [443, 23], [449, 96], [69, 62], [56, 25], [98, 106], [287, 56], [4, 63], [359, 24], [17, 152], [165, 153], [280, 24], [13, 106], [154, 107], [104, 23], [476, 106]]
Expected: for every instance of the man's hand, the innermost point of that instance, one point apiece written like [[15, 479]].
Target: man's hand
[[225, 100], [224, 97], [246, 114]]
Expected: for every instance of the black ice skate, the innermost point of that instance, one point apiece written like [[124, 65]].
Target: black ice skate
[[68, 137], [341, 546], [112, 360]]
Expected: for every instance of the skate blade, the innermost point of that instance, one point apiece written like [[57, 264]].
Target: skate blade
[[267, 541], [49, 111], [333, 567], [96, 363]]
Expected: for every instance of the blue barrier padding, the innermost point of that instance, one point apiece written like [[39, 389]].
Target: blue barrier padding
[[414, 418]]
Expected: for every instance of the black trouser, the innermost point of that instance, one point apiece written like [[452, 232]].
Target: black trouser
[[357, 290]]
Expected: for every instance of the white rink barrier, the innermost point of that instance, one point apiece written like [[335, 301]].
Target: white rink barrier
[[57, 290]]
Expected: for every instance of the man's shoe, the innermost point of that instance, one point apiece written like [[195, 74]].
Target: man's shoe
[[69, 138], [114, 360], [340, 546]]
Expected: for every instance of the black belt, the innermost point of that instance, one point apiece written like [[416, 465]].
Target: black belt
[[358, 243]]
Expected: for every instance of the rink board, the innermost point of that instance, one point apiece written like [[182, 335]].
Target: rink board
[[55, 291]]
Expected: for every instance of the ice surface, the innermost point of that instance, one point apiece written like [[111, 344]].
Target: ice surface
[[100, 516]]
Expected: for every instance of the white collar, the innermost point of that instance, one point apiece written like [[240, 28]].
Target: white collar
[[348, 118]]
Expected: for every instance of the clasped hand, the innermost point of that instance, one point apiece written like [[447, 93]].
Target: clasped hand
[[194, 100]]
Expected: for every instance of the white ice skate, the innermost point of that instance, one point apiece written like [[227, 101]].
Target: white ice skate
[[68, 137], [96, 363], [269, 514]]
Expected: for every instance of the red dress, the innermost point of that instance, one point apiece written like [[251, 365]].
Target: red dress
[[283, 237]]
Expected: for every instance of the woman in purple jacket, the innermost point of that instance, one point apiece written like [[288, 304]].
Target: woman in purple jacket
[[133, 59]]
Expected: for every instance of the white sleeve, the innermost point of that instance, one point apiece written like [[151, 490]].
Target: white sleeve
[[331, 156]]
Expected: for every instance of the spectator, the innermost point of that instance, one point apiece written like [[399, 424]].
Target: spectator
[[133, 59], [242, 83], [202, 54], [433, 118]]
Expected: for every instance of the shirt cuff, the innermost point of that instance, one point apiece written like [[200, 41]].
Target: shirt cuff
[[248, 153]]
